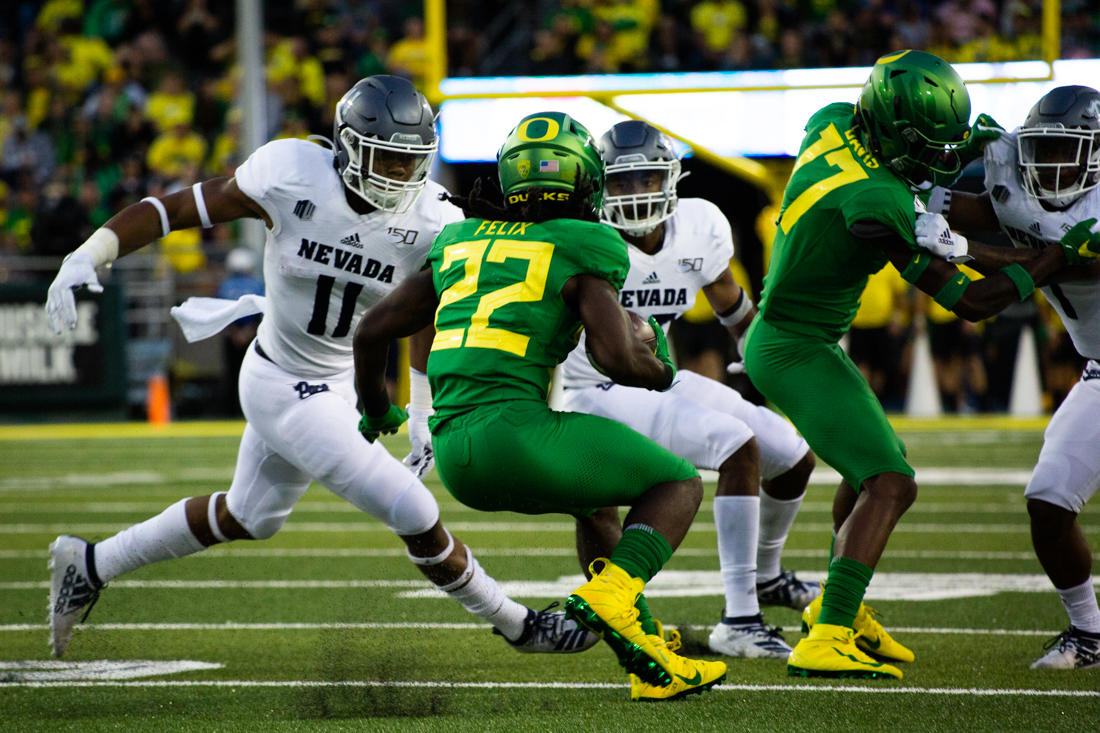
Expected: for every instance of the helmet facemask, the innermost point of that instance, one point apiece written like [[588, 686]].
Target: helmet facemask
[[388, 175], [936, 161], [647, 193], [1058, 164]]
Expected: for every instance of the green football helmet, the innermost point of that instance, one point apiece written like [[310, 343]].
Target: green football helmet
[[544, 150], [916, 112]]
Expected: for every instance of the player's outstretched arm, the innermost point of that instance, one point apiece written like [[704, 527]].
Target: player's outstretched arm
[[971, 301], [610, 336], [213, 202], [408, 309], [972, 212]]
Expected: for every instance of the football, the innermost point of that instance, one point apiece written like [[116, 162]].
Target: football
[[643, 330]]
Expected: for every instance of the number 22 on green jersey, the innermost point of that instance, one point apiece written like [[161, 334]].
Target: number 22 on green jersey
[[474, 254]]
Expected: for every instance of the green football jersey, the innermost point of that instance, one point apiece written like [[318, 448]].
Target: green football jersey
[[818, 268], [501, 324]]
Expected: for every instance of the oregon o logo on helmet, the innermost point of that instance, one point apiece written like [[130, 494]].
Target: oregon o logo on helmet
[[527, 135]]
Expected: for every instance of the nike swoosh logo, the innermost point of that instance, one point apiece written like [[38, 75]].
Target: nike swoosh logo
[[694, 680], [873, 644], [859, 661]]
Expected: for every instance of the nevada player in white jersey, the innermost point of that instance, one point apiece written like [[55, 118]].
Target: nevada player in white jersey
[[344, 226], [1043, 188], [678, 247]]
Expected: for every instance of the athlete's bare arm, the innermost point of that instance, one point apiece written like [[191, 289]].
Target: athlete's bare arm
[[420, 346], [408, 309], [609, 335], [139, 224], [982, 298], [723, 295], [972, 212]]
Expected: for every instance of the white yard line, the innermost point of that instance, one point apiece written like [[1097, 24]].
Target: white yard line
[[963, 691], [512, 527], [232, 552], [412, 625]]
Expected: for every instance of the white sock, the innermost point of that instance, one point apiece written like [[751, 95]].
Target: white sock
[[738, 522], [776, 518], [164, 537], [1080, 603], [482, 597]]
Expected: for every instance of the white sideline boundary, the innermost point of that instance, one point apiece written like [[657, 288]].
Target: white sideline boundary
[[963, 691], [438, 626]]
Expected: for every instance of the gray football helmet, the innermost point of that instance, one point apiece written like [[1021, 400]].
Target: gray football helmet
[[1059, 146], [385, 126], [631, 149]]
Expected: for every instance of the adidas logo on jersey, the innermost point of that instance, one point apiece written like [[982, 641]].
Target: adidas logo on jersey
[[304, 209], [352, 241], [1036, 227], [652, 279], [346, 261], [1000, 193]]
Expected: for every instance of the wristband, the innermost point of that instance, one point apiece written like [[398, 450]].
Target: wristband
[[165, 229], [736, 314], [200, 204], [952, 291], [1025, 285], [102, 246], [939, 201], [420, 390], [916, 267]]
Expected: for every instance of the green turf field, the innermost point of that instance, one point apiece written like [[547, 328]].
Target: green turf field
[[328, 627]]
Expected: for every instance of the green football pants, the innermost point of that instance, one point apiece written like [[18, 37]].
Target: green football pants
[[521, 456], [826, 397]]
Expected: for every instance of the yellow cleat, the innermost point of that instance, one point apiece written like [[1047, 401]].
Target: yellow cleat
[[605, 606], [690, 676], [831, 651], [872, 637]]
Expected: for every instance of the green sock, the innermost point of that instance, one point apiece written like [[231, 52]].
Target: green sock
[[641, 552], [645, 618], [844, 591]]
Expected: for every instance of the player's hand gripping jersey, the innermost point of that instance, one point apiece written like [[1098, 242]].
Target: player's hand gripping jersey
[[1028, 224], [502, 326], [324, 264], [819, 266], [696, 250]]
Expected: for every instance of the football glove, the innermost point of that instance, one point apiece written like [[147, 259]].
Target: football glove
[[738, 367], [372, 427], [661, 351], [933, 234], [984, 131], [1081, 243], [421, 459], [76, 269]]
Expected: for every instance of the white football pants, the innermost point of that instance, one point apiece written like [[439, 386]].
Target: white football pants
[[699, 419], [302, 429]]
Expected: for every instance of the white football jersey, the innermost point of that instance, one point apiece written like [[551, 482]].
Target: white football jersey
[[697, 248], [1028, 224], [325, 264]]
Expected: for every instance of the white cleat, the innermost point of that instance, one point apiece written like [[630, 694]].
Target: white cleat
[[748, 638], [551, 632], [1072, 649], [787, 590], [73, 587]]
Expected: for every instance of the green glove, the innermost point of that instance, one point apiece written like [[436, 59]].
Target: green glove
[[984, 131], [661, 352], [372, 427], [1081, 243]]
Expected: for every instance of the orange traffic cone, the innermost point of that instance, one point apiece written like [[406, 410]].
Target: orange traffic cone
[[157, 402]]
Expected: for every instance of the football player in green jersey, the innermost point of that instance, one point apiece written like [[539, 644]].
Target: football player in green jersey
[[847, 211], [509, 290]]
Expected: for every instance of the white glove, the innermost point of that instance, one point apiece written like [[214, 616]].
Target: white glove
[[421, 459], [77, 269], [933, 233], [738, 367]]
